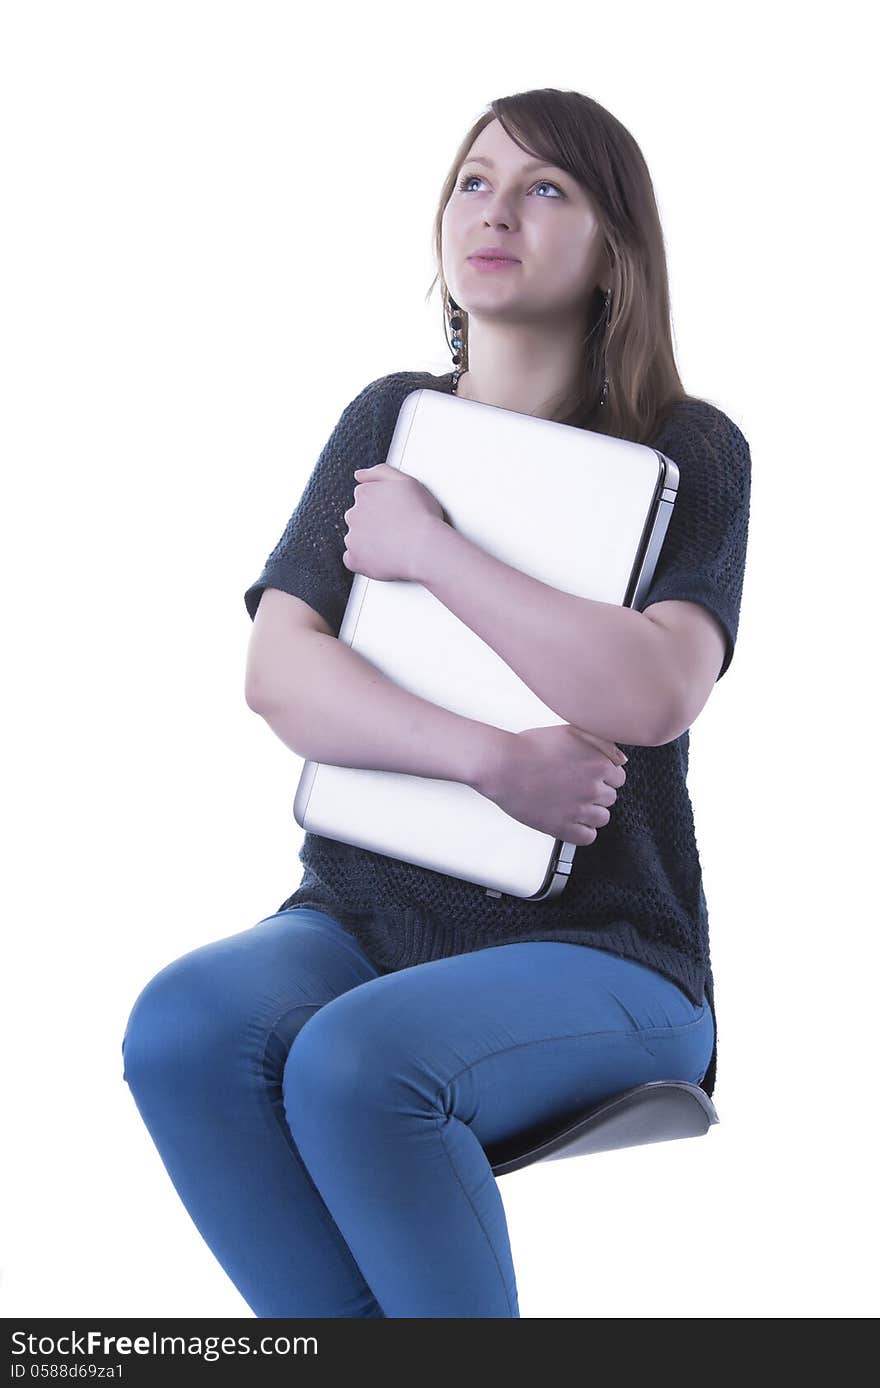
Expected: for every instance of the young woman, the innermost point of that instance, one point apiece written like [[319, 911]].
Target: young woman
[[323, 1087]]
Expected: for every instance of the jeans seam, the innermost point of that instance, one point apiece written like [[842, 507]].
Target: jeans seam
[[574, 1036], [441, 1123]]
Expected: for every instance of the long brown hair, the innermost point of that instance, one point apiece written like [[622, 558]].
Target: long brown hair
[[634, 348]]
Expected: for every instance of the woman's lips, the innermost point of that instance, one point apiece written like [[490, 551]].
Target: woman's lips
[[487, 263]]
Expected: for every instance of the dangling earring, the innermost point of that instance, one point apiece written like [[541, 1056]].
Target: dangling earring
[[456, 323], [604, 399]]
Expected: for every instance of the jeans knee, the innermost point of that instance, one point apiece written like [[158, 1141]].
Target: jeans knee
[[176, 1021], [148, 1039], [345, 1059], [326, 1062]]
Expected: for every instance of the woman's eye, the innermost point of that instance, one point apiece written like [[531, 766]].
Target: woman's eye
[[475, 178]]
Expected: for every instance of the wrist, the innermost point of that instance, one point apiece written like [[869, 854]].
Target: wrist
[[489, 754], [429, 549]]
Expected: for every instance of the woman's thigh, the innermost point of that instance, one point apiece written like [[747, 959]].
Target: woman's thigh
[[508, 1037]]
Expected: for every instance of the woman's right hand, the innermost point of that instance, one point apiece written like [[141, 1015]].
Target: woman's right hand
[[560, 780]]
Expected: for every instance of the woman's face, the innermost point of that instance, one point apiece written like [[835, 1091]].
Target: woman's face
[[535, 212]]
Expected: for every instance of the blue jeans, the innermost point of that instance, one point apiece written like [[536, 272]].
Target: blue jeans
[[323, 1122]]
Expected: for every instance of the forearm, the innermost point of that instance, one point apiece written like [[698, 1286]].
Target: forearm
[[329, 704], [597, 665]]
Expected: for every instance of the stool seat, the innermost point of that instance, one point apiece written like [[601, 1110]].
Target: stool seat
[[660, 1111]]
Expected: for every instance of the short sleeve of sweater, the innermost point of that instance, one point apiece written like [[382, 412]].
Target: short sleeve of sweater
[[307, 560], [703, 555]]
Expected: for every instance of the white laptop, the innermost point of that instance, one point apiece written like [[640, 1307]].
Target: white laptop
[[578, 510]]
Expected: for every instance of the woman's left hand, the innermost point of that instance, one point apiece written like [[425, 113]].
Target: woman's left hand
[[389, 524]]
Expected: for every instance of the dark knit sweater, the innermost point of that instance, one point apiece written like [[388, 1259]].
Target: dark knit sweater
[[637, 889]]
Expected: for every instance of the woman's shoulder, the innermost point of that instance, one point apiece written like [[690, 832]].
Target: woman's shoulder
[[695, 418], [378, 405], [389, 392], [402, 382]]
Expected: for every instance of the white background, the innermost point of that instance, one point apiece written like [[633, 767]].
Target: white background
[[217, 230]]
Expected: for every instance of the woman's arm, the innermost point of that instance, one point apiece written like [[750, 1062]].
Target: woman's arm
[[329, 704], [592, 662]]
